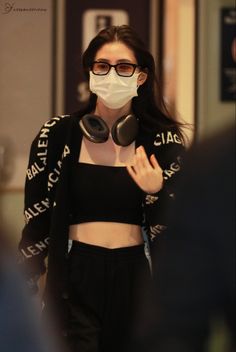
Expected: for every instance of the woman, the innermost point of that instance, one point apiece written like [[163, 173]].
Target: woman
[[99, 177]]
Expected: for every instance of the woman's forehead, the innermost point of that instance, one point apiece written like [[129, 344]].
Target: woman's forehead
[[117, 51]]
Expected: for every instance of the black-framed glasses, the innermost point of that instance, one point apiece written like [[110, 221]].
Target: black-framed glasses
[[123, 69]]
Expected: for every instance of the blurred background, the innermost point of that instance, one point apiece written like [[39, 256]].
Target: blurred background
[[41, 41]]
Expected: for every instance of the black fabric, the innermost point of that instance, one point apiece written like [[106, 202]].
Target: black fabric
[[104, 193], [104, 286]]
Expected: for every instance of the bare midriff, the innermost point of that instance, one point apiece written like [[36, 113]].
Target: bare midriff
[[107, 234]]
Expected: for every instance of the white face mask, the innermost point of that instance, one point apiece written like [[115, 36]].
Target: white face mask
[[114, 91]]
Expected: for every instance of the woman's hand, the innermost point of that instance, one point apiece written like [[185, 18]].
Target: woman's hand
[[147, 174]]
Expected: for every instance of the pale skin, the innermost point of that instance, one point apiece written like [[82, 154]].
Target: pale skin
[[145, 172]]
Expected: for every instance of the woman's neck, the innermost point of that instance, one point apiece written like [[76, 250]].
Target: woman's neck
[[111, 115]]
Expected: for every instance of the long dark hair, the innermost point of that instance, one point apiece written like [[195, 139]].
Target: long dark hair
[[149, 105]]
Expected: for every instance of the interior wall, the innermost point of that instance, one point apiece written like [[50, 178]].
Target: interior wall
[[179, 60], [212, 113], [25, 93]]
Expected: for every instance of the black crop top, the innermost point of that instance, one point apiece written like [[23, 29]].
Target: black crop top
[[104, 193]]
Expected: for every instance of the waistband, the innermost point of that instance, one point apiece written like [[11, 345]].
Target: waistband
[[82, 247]]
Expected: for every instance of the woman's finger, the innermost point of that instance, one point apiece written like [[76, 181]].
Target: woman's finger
[[142, 159], [154, 162], [131, 171]]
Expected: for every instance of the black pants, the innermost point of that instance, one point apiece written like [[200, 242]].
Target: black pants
[[104, 294]]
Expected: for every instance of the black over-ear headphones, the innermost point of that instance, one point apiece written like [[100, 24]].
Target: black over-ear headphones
[[95, 129]]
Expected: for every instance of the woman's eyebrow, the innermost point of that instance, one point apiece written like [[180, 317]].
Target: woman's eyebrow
[[118, 61]]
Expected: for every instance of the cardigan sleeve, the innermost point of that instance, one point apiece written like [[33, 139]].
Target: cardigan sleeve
[[33, 246], [169, 151]]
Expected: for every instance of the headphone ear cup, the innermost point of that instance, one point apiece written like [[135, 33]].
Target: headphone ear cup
[[94, 128], [125, 130]]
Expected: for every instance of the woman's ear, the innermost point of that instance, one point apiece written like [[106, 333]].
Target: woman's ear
[[142, 78]]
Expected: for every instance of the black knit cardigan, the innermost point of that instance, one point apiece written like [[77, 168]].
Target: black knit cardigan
[[47, 196]]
